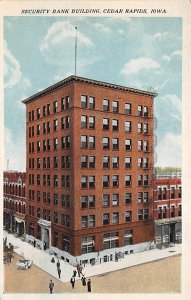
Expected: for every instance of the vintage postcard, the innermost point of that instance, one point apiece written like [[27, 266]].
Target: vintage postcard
[[95, 118]]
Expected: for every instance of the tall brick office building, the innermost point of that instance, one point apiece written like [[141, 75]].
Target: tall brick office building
[[89, 168]]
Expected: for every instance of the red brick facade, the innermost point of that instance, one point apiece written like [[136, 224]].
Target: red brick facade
[[89, 165]]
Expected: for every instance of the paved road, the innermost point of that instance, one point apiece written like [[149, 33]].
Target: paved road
[[154, 277]]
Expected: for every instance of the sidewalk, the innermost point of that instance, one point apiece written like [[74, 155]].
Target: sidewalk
[[43, 260]]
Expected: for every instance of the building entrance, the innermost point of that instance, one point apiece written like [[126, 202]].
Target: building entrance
[[172, 233]]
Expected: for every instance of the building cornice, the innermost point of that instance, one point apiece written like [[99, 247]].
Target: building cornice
[[73, 78]]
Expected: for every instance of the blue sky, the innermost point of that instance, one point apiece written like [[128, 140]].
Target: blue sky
[[135, 52]]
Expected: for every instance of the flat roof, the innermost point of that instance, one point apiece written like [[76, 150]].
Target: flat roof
[[73, 78]]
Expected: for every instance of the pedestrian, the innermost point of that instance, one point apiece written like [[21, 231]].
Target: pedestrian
[[44, 244], [34, 243], [58, 264], [72, 281], [51, 286], [74, 273], [89, 285], [81, 270], [52, 259], [59, 272], [78, 269], [83, 281], [9, 255]]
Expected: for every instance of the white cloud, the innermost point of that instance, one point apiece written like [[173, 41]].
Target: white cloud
[[172, 55], [136, 65], [175, 106], [159, 36], [101, 27], [15, 153], [169, 151], [12, 69], [59, 32], [177, 53]]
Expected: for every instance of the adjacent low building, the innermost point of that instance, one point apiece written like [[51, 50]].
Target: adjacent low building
[[14, 194], [167, 209]]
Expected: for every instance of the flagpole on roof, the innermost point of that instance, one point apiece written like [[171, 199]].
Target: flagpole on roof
[[76, 51]]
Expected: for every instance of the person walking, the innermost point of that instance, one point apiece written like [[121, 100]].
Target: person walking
[[72, 281], [34, 243], [89, 286], [78, 269], [51, 286], [83, 281], [74, 273], [59, 272], [58, 264]]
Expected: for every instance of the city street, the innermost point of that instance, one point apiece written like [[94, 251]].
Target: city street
[[158, 276]]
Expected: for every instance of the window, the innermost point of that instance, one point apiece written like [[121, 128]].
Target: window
[[128, 145], [38, 163], [83, 141], [83, 121], [44, 111], [55, 106], [67, 221], [55, 199], [115, 106], [38, 146], [145, 111], [127, 162], [38, 195], [140, 214], [62, 104], [48, 109], [179, 210], [140, 145], [48, 145], [55, 144], [164, 215], [146, 146], [127, 198], [179, 192], [115, 180], [48, 198], [63, 219], [91, 142], [91, 122], [55, 180], [115, 199], [38, 179], [91, 102], [91, 220], [127, 180], [115, 126], [115, 218], [91, 162], [48, 162], [84, 181], [38, 113], [105, 200], [128, 216], [83, 161], [67, 102], [105, 105], [159, 212], [140, 127], [44, 128], [145, 162], [172, 193], [140, 162], [127, 126], [172, 211], [55, 125], [84, 201], [110, 240], [44, 145], [145, 197], [63, 142], [84, 221], [106, 124], [127, 108], [140, 180], [38, 129], [106, 181], [115, 143], [115, 162], [145, 128], [87, 244], [140, 197], [55, 162], [105, 143], [128, 233], [140, 110], [146, 214], [68, 161], [105, 219], [65, 242], [145, 179], [67, 141], [56, 217], [91, 201], [91, 181], [48, 180], [84, 101]]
